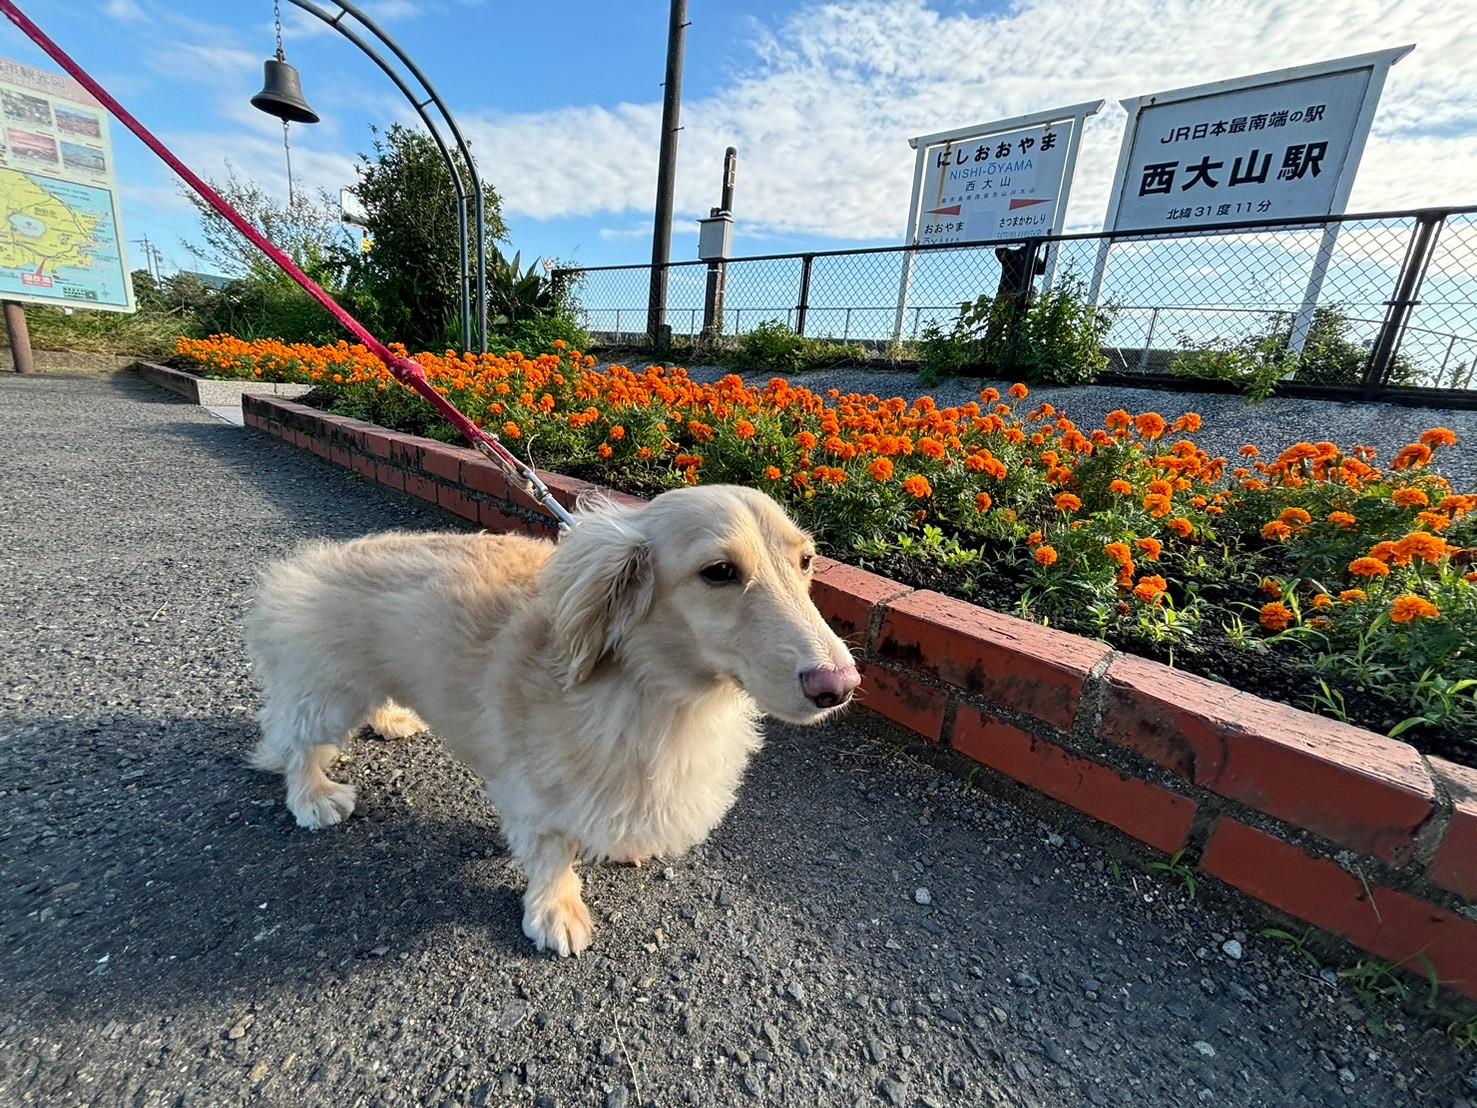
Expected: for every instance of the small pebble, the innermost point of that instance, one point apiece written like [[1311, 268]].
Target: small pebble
[[1204, 1049], [1232, 949], [922, 896]]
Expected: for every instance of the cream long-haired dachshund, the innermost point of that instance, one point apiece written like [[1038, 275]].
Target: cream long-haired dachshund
[[607, 689]]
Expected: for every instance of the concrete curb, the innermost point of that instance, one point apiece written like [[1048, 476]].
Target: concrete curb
[[1353, 832], [213, 394]]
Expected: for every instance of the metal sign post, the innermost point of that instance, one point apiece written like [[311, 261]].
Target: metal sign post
[[975, 176], [1272, 145]]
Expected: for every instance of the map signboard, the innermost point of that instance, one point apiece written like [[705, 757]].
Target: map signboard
[[61, 235]]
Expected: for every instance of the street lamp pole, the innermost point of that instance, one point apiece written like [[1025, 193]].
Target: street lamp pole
[[420, 101]]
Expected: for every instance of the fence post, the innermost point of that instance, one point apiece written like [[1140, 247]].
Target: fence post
[[803, 308], [1397, 312], [1148, 342]]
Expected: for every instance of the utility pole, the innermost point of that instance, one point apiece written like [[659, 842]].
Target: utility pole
[[717, 271], [666, 176]]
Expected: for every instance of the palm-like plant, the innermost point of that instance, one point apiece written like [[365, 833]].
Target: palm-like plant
[[514, 295]]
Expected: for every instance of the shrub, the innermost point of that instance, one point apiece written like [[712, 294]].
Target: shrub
[[537, 336], [1055, 339], [774, 347]]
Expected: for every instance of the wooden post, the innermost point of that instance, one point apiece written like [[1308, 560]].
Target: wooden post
[[20, 337]]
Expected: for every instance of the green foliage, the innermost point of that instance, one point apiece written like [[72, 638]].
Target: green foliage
[[774, 347], [515, 296], [409, 282], [1055, 339], [537, 336], [1258, 361]]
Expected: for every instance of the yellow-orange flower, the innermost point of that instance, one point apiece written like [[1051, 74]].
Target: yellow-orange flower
[[1045, 555], [1181, 527], [1368, 567], [1150, 425], [917, 486], [880, 469], [744, 429], [1066, 502], [1121, 487], [1151, 547], [1414, 456], [1158, 506], [1342, 519], [1409, 607], [1275, 616], [1151, 590], [1423, 545], [1439, 436], [1276, 531], [1410, 498], [1296, 517], [1353, 596], [1019, 391], [1119, 552], [982, 501], [1322, 600], [604, 450], [773, 473]]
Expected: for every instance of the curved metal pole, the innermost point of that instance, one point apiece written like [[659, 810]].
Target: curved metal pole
[[461, 145], [335, 21]]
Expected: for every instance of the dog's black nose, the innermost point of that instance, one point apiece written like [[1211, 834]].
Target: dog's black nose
[[826, 688]]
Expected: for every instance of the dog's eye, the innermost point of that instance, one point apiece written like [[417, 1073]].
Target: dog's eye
[[720, 573], [805, 562]]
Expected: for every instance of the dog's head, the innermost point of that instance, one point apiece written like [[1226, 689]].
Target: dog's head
[[702, 586]]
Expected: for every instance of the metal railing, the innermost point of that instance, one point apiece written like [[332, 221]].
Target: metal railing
[[1395, 305]]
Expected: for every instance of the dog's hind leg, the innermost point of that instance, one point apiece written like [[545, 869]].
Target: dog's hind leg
[[554, 916], [300, 741], [395, 721]]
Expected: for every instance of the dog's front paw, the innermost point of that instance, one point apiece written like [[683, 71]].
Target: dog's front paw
[[322, 806], [561, 924]]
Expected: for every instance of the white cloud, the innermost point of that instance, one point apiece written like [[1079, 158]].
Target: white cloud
[[209, 63], [127, 11], [821, 117]]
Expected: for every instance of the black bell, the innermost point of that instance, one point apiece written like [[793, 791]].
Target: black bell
[[282, 94]]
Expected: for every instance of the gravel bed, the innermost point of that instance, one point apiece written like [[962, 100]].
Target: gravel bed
[[1230, 422], [862, 930]]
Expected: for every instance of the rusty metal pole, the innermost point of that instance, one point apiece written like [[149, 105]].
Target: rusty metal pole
[[20, 338]]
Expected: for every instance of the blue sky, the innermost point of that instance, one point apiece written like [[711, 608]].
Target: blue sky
[[563, 100]]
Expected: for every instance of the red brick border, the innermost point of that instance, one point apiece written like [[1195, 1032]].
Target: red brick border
[[1353, 832]]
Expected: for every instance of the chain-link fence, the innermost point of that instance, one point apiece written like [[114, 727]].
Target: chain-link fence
[[1372, 302]]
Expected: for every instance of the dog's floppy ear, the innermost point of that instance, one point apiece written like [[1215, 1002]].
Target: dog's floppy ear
[[597, 587]]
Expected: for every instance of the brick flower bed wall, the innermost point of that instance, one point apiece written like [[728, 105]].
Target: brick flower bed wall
[[1355, 833]]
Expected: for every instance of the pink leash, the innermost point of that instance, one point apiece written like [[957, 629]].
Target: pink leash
[[405, 370]]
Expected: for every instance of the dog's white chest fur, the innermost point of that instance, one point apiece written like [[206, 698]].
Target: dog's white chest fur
[[652, 778]]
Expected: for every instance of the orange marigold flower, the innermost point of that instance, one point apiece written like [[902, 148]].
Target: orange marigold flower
[[744, 429], [1118, 420], [1414, 456], [604, 450], [1275, 616], [1409, 607], [880, 469], [1320, 623], [644, 453], [917, 486], [1120, 553], [982, 501], [1035, 538], [1019, 391], [1369, 567], [1439, 436], [1181, 527], [1151, 590], [1045, 555], [1353, 596], [1410, 498], [1322, 600], [806, 441], [773, 473], [1249, 451], [1342, 519], [1121, 487], [1423, 545], [1158, 506], [1297, 517], [1190, 422], [1276, 531], [1434, 520], [1270, 586], [1150, 425], [1151, 547], [931, 448], [1066, 502], [512, 430]]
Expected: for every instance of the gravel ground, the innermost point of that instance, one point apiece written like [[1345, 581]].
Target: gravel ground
[[863, 929], [1230, 421]]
